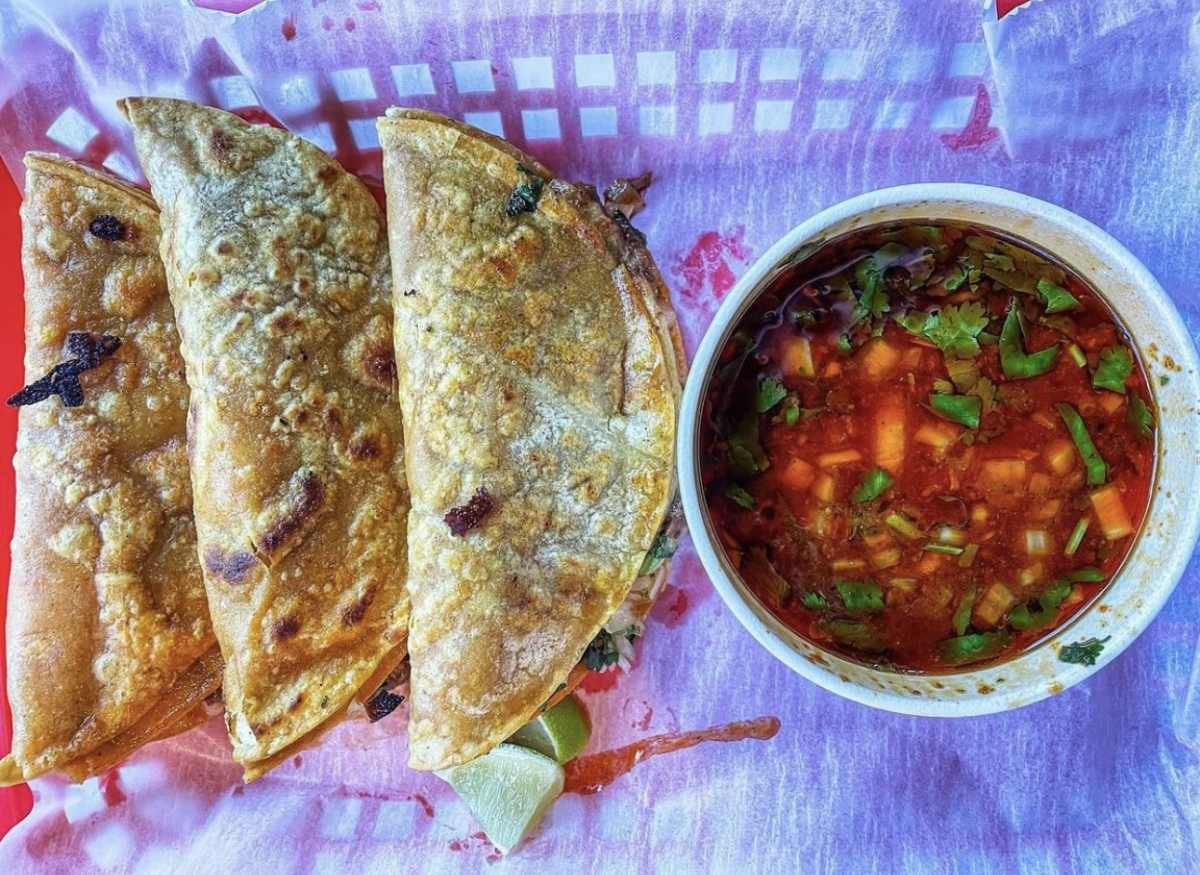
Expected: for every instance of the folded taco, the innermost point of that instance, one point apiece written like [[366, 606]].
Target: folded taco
[[539, 372], [277, 266], [108, 634]]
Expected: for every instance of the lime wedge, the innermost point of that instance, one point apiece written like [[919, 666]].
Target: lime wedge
[[508, 790], [560, 732]]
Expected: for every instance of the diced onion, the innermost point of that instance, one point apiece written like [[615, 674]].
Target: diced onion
[[847, 564], [996, 602], [1037, 542], [951, 535], [1110, 511], [838, 457], [886, 558]]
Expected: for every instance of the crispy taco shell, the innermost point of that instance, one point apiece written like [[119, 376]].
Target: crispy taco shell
[[109, 640], [277, 266], [539, 369]]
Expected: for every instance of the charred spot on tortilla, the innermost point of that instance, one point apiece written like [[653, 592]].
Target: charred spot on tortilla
[[470, 515], [627, 228], [379, 361], [285, 628], [410, 293], [382, 704], [306, 498], [221, 144], [352, 614], [63, 379], [107, 227], [365, 448], [525, 196], [232, 568]]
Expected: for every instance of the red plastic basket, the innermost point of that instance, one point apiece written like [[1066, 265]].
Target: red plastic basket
[[15, 802]]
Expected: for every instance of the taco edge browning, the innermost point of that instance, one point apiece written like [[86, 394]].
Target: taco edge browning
[[539, 376], [108, 636], [277, 266]]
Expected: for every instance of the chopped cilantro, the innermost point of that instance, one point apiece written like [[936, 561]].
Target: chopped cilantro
[[1090, 574], [860, 596], [1138, 417], [746, 455], [954, 279], [1016, 280], [872, 485], [601, 652], [1056, 297], [1083, 652], [525, 196], [962, 614], [972, 648], [770, 392], [964, 373], [1164, 380], [958, 408], [663, 548], [779, 591], [999, 261], [1097, 470], [955, 329], [843, 344], [1040, 612], [1114, 368], [814, 601], [914, 321], [872, 299], [791, 410], [985, 391], [740, 496], [855, 634], [1016, 363]]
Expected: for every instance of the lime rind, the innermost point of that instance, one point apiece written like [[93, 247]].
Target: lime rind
[[560, 733]]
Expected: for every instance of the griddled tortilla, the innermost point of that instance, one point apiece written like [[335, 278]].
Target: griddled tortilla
[[538, 376], [109, 641], [277, 266]]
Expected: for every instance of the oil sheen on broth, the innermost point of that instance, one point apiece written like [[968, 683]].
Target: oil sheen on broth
[[927, 446]]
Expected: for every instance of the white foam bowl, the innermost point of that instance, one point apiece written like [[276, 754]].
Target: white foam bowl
[[1168, 535]]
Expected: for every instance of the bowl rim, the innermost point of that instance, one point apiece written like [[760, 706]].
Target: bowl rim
[[832, 672]]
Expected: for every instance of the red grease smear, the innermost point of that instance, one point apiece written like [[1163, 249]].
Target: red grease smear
[[110, 788], [297, 761], [349, 25], [288, 28], [978, 130], [424, 803], [643, 723], [477, 840], [706, 268], [239, 790], [327, 23], [256, 115], [591, 774], [670, 607], [599, 682], [370, 6]]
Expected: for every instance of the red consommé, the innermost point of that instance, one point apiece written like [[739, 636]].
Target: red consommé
[[927, 446]]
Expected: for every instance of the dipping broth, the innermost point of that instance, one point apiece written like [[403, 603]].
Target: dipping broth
[[928, 446]]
